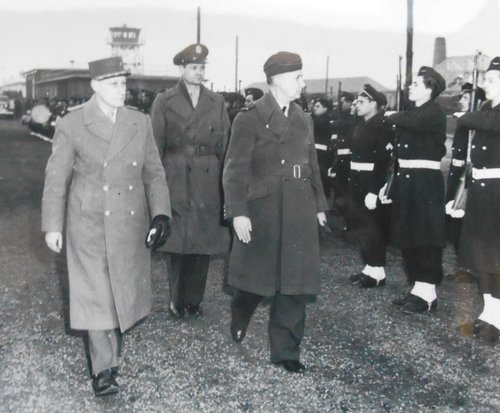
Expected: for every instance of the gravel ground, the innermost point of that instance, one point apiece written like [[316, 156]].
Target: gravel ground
[[362, 354]]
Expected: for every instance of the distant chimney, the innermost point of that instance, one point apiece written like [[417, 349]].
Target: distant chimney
[[439, 51]]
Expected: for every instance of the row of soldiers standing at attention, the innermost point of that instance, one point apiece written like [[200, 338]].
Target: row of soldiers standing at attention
[[406, 204], [115, 175]]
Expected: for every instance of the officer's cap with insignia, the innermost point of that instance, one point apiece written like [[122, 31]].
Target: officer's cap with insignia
[[494, 64], [195, 53], [282, 62], [371, 93], [106, 68], [437, 79], [347, 96]]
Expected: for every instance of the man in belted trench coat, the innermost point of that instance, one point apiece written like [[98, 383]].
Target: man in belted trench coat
[[105, 164], [190, 125], [274, 197]]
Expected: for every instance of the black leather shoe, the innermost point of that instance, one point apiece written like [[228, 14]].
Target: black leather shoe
[[104, 383], [194, 309], [401, 300], [368, 282], [486, 332], [415, 304], [293, 366], [354, 278], [176, 310]]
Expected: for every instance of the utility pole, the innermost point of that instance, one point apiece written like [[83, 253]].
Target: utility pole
[[409, 45], [198, 25], [326, 80], [236, 68]]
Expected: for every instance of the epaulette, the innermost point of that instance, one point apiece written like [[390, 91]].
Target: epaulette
[[77, 107]]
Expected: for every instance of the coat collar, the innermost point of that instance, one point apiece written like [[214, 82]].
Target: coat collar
[[182, 102], [118, 134], [271, 113]]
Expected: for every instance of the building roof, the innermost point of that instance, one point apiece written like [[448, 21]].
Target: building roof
[[348, 84]]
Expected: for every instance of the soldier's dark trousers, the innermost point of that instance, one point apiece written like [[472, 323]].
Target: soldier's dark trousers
[[286, 321], [104, 349], [423, 264], [489, 283], [188, 278]]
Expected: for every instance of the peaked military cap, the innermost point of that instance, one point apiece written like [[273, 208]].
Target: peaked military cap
[[195, 53], [373, 94], [429, 71], [467, 88], [282, 62], [108, 67], [494, 64], [347, 96], [255, 92]]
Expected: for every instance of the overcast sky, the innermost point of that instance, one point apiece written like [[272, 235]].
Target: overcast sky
[[361, 37]]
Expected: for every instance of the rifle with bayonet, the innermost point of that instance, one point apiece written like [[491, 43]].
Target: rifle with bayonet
[[391, 172], [460, 197]]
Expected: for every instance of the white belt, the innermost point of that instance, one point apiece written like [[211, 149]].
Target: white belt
[[419, 163], [334, 136], [320, 147], [343, 151], [457, 162], [489, 173], [362, 166]]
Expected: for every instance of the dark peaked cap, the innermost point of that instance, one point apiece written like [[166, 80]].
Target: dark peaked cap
[[255, 92], [371, 93], [282, 62], [429, 71], [494, 64], [195, 53], [467, 88], [106, 68]]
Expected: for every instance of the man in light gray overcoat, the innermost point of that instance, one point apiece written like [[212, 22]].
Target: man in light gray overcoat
[[104, 181]]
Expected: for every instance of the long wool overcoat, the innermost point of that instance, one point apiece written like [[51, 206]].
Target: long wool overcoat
[[480, 239], [192, 142], [418, 215], [113, 181], [271, 175]]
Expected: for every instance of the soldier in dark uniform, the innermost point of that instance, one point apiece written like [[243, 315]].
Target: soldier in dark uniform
[[190, 125], [322, 115], [273, 196], [457, 167], [342, 131], [479, 249], [371, 149], [418, 213]]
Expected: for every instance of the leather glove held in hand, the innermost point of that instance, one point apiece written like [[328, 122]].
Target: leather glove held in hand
[[158, 232]]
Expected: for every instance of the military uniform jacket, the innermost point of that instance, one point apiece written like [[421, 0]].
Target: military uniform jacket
[[113, 181], [458, 159], [372, 143], [343, 130], [192, 142], [480, 240], [271, 175], [418, 214]]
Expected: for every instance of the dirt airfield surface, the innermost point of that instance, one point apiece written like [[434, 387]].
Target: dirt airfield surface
[[361, 353]]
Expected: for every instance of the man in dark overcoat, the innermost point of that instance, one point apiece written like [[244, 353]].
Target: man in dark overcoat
[[479, 249], [104, 180], [371, 149], [418, 224], [190, 125], [274, 197]]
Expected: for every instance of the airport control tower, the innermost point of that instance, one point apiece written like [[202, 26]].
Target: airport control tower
[[125, 43]]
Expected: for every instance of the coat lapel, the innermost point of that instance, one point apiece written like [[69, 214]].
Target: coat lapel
[[124, 131], [205, 104], [96, 121], [271, 114]]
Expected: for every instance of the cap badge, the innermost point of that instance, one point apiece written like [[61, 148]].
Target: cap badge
[[198, 49]]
